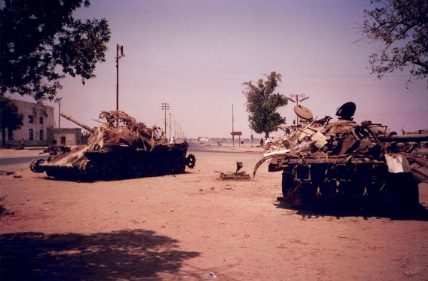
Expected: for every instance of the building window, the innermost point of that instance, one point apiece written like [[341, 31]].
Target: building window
[[30, 119], [41, 120], [30, 134], [41, 135]]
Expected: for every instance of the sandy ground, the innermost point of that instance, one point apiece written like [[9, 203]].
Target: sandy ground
[[182, 227]]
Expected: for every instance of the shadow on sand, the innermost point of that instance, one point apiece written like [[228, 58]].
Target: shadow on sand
[[342, 209], [119, 255]]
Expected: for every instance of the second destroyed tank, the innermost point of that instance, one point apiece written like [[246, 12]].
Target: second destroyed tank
[[320, 159], [120, 148]]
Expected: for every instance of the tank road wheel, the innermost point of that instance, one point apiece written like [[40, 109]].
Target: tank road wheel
[[179, 165], [191, 161], [35, 166], [402, 192], [165, 166], [110, 171], [288, 186], [87, 169], [151, 168], [135, 169], [52, 173]]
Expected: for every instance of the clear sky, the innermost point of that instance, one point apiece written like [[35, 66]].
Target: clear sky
[[195, 55]]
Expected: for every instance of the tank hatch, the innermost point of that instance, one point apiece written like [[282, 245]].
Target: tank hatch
[[346, 111]]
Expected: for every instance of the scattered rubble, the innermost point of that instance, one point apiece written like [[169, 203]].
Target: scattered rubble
[[237, 175], [10, 173]]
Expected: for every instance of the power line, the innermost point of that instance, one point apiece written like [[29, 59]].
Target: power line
[[167, 71], [392, 113], [258, 73], [199, 69], [284, 83], [194, 81]]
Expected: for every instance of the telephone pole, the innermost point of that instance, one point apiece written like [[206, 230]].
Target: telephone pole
[[165, 106], [170, 124], [59, 115], [233, 136], [118, 56], [58, 101]]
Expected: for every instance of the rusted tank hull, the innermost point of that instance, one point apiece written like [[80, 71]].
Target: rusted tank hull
[[119, 163], [357, 180]]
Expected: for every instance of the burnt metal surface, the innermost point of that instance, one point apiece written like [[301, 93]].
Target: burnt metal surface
[[120, 148], [326, 159]]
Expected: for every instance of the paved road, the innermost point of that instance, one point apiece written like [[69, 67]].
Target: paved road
[[193, 147], [20, 160]]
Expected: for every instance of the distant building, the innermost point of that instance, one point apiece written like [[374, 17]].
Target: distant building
[[66, 136], [38, 128], [38, 119]]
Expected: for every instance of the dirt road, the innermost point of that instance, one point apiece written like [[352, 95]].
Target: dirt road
[[182, 227]]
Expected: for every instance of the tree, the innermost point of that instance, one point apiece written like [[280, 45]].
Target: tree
[[41, 43], [262, 104], [402, 27], [10, 119]]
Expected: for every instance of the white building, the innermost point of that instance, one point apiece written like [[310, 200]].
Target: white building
[[66, 136], [38, 119]]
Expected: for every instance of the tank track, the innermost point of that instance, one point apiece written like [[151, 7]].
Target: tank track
[[111, 166]]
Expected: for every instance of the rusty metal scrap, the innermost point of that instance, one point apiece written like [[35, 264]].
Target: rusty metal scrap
[[237, 175], [343, 139], [123, 130]]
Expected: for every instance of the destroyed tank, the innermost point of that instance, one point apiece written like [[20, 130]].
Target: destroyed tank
[[320, 159], [120, 148]]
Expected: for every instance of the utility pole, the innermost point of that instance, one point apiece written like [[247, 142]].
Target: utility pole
[[165, 106], [59, 114], [170, 124], [233, 136], [118, 56], [296, 97], [58, 101]]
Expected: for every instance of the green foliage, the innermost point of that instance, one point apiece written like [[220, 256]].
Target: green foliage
[[10, 119], [402, 27], [262, 104], [41, 43]]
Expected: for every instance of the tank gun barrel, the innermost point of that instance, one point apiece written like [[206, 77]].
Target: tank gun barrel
[[405, 138], [68, 117]]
